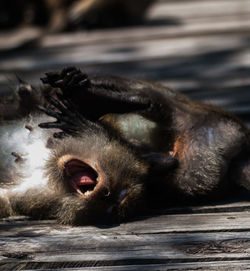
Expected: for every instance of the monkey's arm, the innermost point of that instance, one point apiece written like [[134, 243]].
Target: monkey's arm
[[71, 122], [96, 97]]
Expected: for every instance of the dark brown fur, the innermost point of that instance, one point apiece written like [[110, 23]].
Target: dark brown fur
[[147, 145]]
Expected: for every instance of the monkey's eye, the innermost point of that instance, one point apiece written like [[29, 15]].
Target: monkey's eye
[[82, 177]]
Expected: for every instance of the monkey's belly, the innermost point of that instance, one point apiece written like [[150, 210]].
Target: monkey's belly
[[133, 127], [23, 151]]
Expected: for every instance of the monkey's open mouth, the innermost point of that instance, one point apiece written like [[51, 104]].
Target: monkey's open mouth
[[82, 177]]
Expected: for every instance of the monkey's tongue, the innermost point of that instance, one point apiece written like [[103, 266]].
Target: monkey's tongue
[[83, 178], [83, 182]]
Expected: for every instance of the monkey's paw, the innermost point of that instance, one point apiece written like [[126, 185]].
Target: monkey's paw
[[68, 119], [68, 80]]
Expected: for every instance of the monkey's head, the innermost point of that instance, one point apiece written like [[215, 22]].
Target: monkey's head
[[97, 179]]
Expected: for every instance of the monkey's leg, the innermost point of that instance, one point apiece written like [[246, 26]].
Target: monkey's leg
[[94, 102], [240, 171], [205, 155]]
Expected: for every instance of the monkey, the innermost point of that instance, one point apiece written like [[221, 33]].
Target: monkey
[[60, 15], [210, 145], [29, 185], [31, 166], [122, 146]]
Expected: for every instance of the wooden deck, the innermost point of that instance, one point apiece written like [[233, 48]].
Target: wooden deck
[[198, 47], [199, 238]]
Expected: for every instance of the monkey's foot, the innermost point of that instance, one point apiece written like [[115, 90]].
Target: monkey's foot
[[94, 101], [68, 80]]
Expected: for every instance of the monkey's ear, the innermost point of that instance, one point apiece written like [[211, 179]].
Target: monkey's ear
[[161, 163]]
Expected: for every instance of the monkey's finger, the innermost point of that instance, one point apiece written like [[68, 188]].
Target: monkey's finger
[[73, 80], [70, 120], [57, 104], [76, 78], [69, 113], [69, 109], [68, 78], [85, 82], [58, 125], [49, 125], [50, 112], [67, 70], [60, 135], [51, 78], [66, 129], [58, 116], [76, 117], [44, 80]]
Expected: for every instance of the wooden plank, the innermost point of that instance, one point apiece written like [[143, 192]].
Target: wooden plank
[[208, 71], [233, 206], [202, 24], [200, 9], [19, 37], [194, 222], [139, 33], [114, 249], [223, 97], [117, 53], [193, 266], [171, 223], [181, 18]]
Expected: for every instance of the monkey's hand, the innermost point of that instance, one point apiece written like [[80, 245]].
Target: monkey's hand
[[68, 119], [68, 80], [94, 101]]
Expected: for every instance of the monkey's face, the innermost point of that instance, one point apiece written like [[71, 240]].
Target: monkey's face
[[81, 175], [97, 179]]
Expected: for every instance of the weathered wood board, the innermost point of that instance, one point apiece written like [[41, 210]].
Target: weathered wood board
[[212, 236], [164, 241]]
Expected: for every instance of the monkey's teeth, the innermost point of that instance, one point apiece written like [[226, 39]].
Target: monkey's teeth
[[88, 193]]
